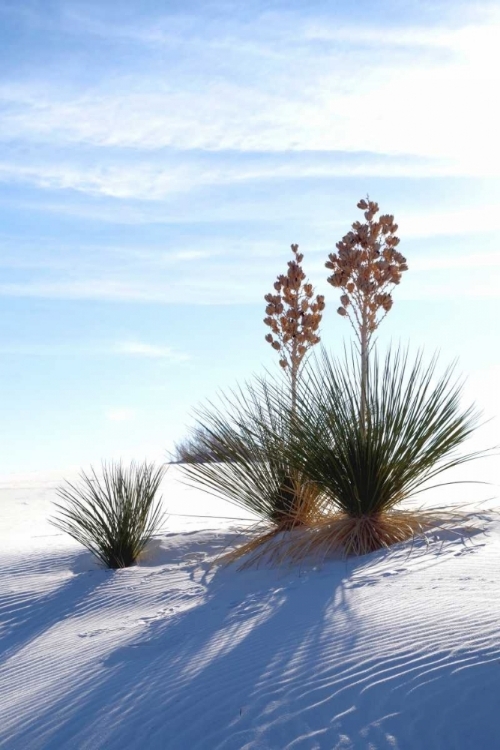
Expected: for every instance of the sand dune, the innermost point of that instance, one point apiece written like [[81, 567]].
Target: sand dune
[[397, 649]]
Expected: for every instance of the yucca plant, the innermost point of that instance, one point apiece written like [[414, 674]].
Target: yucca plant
[[113, 515], [255, 470], [367, 464], [238, 450], [196, 448]]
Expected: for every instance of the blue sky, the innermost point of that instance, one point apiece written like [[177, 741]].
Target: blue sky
[[156, 162]]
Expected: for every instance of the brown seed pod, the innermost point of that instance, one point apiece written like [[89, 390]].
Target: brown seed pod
[[365, 268], [294, 315]]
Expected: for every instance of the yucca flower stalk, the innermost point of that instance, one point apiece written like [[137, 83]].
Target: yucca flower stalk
[[366, 268], [414, 427], [114, 514], [294, 316]]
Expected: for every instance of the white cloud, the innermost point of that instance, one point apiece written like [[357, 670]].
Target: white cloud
[[459, 39], [155, 179], [245, 283], [132, 348], [423, 103], [328, 101]]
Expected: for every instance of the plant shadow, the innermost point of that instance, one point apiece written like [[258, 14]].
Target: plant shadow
[[240, 652]]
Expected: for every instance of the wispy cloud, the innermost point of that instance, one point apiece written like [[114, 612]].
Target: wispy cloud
[[209, 145], [156, 178], [429, 104], [207, 291], [127, 348], [244, 284]]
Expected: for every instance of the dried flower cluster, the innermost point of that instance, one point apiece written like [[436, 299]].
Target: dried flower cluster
[[366, 266], [293, 315]]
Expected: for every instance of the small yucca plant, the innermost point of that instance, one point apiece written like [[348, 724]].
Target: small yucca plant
[[368, 464], [113, 516]]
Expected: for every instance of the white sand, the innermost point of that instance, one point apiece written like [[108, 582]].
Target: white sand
[[393, 650]]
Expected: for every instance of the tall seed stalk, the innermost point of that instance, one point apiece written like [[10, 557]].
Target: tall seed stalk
[[366, 268], [293, 315]]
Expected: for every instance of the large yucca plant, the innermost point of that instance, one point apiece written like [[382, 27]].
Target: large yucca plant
[[249, 436], [113, 515], [369, 459]]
